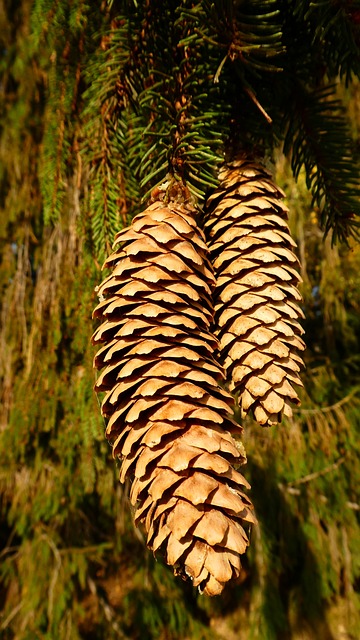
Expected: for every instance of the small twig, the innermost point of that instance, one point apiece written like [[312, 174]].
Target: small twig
[[317, 474], [253, 97], [353, 505], [11, 616], [291, 490], [331, 407], [89, 549], [55, 574], [219, 69], [7, 550], [109, 612]]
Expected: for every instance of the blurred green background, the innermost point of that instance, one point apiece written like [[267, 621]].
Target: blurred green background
[[71, 563]]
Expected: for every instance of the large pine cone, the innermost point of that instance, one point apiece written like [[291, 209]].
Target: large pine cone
[[256, 296], [169, 418]]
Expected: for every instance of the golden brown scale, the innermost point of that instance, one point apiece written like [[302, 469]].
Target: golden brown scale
[[169, 419], [256, 296]]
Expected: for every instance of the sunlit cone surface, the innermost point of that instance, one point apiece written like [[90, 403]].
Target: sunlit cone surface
[[256, 296], [169, 420]]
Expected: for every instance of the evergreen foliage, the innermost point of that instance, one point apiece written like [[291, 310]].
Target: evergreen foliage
[[98, 104]]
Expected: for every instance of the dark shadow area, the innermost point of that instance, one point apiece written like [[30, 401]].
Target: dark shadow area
[[290, 571]]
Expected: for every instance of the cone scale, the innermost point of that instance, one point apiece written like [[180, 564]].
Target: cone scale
[[168, 417], [256, 296]]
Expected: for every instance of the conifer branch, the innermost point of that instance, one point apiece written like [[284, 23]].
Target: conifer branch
[[318, 138], [185, 131], [335, 30], [109, 126]]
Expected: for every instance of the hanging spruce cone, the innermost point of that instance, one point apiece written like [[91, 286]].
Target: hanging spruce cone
[[169, 420], [256, 296]]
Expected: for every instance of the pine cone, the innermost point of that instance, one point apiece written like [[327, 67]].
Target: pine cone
[[256, 296], [169, 419]]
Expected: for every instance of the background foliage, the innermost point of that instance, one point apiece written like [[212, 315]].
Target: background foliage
[[98, 102]]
